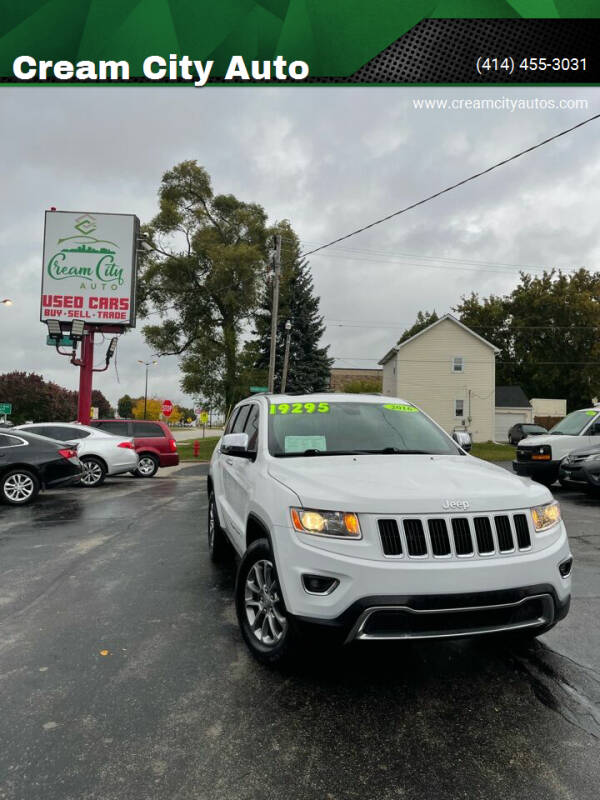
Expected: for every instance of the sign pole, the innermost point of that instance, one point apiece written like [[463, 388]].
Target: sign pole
[[84, 402]]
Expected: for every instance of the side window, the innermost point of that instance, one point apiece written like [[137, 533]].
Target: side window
[[9, 441], [147, 429], [240, 420], [62, 433], [113, 426], [231, 420], [41, 430], [75, 433], [458, 364], [251, 428], [459, 407]]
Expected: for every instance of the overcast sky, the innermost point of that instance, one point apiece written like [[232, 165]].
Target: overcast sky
[[328, 159]]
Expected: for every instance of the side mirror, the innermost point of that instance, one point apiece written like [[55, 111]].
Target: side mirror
[[595, 429], [236, 444], [463, 439]]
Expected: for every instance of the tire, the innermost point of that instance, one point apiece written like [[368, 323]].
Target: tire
[[94, 472], [19, 487], [274, 640], [219, 548], [147, 466]]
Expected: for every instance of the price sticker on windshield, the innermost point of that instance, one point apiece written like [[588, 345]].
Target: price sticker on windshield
[[591, 413], [299, 408], [399, 407]]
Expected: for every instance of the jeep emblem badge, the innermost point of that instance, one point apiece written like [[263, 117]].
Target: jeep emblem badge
[[456, 505]]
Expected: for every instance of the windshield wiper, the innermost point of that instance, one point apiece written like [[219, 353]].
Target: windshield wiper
[[396, 451]]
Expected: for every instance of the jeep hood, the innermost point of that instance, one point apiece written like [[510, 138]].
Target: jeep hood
[[405, 484]]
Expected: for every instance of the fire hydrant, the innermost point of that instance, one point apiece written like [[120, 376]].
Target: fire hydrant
[[196, 448]]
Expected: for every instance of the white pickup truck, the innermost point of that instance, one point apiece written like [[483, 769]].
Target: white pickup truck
[[539, 457], [358, 516]]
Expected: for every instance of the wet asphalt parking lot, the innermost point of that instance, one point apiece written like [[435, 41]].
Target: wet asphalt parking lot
[[123, 675]]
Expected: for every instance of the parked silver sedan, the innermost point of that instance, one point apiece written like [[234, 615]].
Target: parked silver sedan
[[100, 453]]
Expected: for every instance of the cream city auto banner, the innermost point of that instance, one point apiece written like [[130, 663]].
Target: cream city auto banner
[[89, 267]]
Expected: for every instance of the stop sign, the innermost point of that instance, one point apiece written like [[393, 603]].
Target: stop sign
[[167, 408]]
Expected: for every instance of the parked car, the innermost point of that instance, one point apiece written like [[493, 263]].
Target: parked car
[[582, 468], [359, 516], [100, 453], [154, 442], [29, 463], [524, 429], [540, 457]]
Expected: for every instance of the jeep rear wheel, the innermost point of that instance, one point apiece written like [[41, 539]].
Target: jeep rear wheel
[[265, 624]]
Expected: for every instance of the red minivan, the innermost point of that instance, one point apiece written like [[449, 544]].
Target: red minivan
[[154, 442]]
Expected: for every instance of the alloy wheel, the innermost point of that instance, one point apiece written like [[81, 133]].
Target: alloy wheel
[[18, 488], [92, 473], [264, 607], [146, 466]]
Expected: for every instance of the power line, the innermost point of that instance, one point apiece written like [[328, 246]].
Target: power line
[[454, 185], [381, 325]]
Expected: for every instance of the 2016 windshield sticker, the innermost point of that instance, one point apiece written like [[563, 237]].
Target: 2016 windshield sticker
[[399, 407], [591, 413], [299, 408]]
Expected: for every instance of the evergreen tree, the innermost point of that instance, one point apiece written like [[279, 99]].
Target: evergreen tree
[[309, 364]]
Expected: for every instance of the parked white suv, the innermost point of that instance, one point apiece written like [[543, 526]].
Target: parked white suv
[[540, 457], [360, 516]]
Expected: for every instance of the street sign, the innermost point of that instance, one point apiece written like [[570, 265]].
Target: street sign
[[254, 389], [94, 412], [65, 341], [167, 408], [204, 417], [5, 408]]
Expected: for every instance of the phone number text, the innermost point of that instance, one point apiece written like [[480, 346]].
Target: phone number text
[[509, 65]]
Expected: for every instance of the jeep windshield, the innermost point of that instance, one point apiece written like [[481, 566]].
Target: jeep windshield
[[310, 429], [573, 423]]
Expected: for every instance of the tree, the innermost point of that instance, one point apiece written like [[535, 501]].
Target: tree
[[153, 410], [44, 401], [309, 363], [204, 271], [105, 410], [547, 332], [424, 320], [125, 406]]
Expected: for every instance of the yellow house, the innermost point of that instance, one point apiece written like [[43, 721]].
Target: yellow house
[[449, 371]]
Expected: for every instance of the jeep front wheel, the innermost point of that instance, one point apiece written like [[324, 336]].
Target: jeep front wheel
[[265, 624]]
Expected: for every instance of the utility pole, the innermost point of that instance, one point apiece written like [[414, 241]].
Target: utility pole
[[84, 399], [274, 310], [147, 364], [286, 358]]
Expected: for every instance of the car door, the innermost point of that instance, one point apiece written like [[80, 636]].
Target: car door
[[239, 471]]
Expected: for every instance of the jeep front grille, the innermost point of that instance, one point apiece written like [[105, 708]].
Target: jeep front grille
[[455, 536]]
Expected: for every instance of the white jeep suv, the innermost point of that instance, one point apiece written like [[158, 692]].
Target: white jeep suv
[[359, 516]]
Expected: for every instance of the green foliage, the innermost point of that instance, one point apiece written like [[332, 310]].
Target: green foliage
[[364, 386], [490, 451], [38, 400], [424, 320], [547, 332], [309, 363], [125, 406], [204, 273]]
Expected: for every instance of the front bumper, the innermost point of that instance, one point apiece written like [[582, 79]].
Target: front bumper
[[542, 470], [365, 583]]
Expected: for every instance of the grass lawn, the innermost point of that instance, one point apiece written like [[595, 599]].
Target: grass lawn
[[489, 451], [186, 449]]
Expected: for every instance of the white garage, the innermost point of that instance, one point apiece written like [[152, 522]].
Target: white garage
[[511, 406], [504, 420]]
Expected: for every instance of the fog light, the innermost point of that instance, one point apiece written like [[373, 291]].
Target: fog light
[[565, 567], [319, 584]]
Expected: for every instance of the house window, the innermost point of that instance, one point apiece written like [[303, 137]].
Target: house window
[[458, 364], [459, 408]]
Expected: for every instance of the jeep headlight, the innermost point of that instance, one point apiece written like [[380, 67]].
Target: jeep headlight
[[326, 523], [545, 517]]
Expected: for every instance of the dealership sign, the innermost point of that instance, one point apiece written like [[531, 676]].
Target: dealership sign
[[89, 268]]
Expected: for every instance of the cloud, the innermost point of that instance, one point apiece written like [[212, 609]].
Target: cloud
[[330, 160]]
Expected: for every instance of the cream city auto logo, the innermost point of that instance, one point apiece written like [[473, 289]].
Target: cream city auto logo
[[86, 258]]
